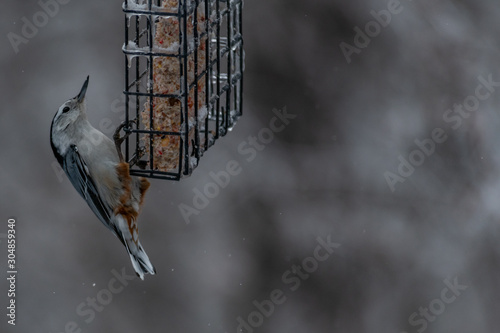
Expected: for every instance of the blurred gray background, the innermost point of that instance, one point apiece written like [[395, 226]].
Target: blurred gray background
[[422, 258]]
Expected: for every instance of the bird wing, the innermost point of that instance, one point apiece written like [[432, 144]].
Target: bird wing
[[79, 175]]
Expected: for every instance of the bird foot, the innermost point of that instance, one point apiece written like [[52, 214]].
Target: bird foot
[[127, 125]]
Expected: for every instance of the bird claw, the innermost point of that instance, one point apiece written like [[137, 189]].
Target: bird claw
[[119, 139], [126, 125], [136, 160]]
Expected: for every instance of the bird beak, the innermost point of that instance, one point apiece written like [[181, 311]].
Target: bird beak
[[82, 93]]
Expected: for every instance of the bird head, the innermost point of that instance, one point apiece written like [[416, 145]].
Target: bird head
[[71, 110], [64, 124]]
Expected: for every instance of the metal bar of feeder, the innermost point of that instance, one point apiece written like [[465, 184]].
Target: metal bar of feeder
[[242, 57], [157, 132], [150, 25], [186, 92], [196, 144], [137, 74], [229, 71], [207, 72], [217, 116], [127, 153], [154, 95]]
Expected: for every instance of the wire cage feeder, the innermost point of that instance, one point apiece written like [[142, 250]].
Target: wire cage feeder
[[184, 77]]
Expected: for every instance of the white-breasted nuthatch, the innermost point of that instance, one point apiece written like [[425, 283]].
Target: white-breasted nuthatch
[[96, 169]]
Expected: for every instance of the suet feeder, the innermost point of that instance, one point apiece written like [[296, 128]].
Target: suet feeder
[[183, 81]]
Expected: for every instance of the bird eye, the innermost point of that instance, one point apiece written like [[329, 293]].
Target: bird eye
[[66, 109]]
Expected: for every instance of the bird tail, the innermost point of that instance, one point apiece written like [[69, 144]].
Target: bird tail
[[140, 260], [128, 233]]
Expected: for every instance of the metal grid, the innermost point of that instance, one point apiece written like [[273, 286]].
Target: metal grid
[[207, 106]]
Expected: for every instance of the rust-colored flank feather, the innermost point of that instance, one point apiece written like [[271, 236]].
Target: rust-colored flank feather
[[125, 208], [143, 187]]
